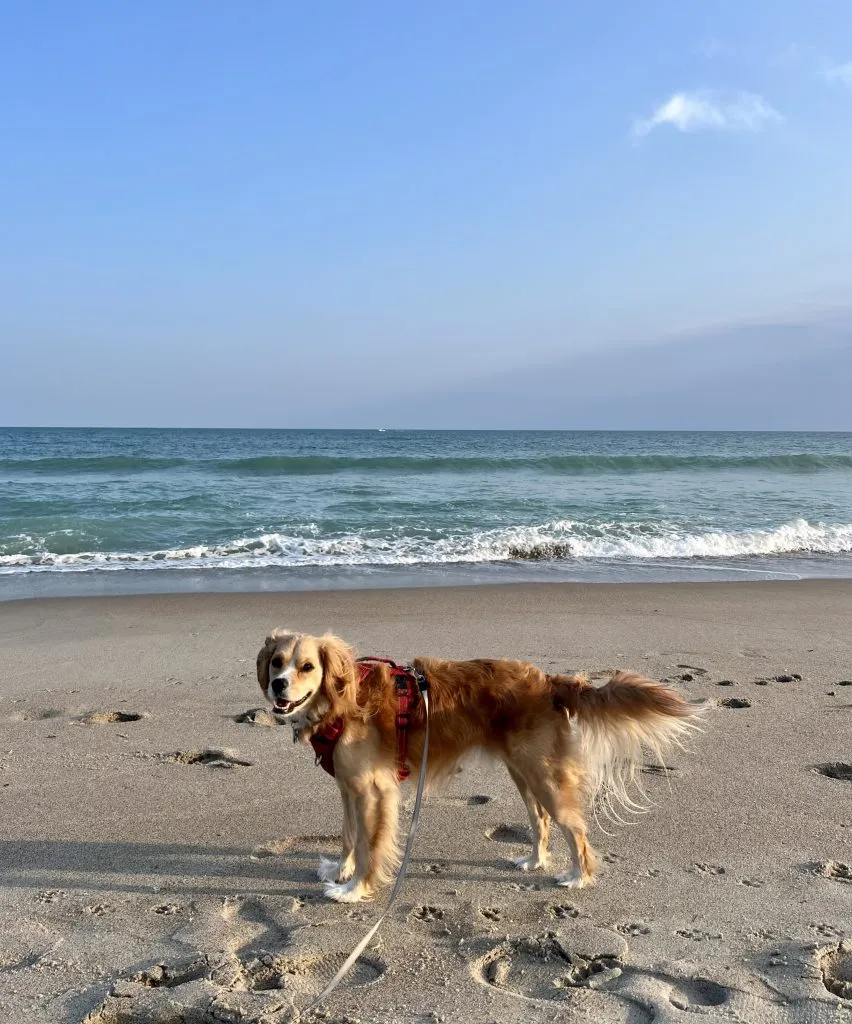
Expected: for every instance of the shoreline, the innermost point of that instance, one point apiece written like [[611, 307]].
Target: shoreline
[[436, 594], [124, 581]]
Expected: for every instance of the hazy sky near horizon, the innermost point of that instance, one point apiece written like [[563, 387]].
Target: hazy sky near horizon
[[271, 207]]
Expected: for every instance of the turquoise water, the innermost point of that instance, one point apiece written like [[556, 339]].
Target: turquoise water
[[83, 510]]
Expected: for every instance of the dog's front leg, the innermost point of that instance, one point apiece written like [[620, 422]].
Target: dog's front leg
[[363, 801], [342, 870]]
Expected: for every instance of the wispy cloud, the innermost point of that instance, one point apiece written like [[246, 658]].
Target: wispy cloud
[[709, 109], [841, 73]]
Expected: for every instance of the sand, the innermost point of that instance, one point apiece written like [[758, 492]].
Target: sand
[[160, 836]]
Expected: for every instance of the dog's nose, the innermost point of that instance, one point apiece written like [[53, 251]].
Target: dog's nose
[[278, 686]]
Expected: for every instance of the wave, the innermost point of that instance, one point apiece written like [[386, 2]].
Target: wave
[[91, 464], [312, 465], [549, 542]]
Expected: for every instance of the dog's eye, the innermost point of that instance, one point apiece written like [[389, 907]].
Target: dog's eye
[[307, 667], [276, 663]]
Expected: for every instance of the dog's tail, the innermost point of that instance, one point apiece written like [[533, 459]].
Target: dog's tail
[[617, 723]]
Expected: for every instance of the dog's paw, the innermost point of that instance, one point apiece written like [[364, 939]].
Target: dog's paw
[[352, 891], [573, 879], [531, 862], [328, 869], [346, 870]]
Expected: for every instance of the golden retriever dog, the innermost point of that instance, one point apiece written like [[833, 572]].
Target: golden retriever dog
[[564, 742]]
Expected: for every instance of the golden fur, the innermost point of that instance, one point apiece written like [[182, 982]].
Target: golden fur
[[563, 741]]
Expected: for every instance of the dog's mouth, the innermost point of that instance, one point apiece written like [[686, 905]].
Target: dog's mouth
[[286, 707]]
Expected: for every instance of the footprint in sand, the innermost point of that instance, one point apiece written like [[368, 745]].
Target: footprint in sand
[[514, 834], [167, 909], [50, 895], [834, 869], [693, 994], [836, 967], [272, 849], [427, 914], [633, 928], [491, 913], [696, 935], [835, 770], [546, 967], [172, 975], [211, 758], [257, 716], [734, 702], [229, 987], [709, 869], [305, 974], [109, 717], [564, 911], [97, 909], [826, 931]]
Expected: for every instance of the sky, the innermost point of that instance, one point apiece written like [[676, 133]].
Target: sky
[[267, 214]]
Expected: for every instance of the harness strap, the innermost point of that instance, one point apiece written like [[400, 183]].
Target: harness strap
[[407, 682], [324, 741]]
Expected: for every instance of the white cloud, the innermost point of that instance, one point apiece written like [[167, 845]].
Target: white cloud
[[709, 109], [841, 73]]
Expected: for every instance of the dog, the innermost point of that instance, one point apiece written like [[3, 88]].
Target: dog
[[565, 743]]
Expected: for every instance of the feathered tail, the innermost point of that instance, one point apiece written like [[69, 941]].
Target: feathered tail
[[617, 722]]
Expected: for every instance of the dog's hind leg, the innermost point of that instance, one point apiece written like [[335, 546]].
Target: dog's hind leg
[[558, 791], [540, 823]]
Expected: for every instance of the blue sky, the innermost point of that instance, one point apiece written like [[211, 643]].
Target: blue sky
[[223, 214]]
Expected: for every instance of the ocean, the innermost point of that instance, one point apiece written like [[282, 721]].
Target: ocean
[[140, 511]]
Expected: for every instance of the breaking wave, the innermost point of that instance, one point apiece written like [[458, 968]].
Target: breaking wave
[[548, 542], [313, 465]]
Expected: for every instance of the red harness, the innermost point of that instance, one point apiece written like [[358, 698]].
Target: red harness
[[407, 681]]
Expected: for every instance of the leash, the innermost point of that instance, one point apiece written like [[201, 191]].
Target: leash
[[423, 686]]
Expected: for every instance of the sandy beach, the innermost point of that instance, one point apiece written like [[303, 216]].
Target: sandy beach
[[159, 846]]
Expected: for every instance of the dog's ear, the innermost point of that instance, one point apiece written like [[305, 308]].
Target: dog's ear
[[338, 666], [265, 653], [263, 656]]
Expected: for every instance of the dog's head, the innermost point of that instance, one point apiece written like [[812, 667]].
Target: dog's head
[[306, 677]]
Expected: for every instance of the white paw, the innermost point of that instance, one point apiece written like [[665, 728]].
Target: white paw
[[530, 863], [571, 880], [346, 892], [327, 870]]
